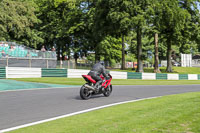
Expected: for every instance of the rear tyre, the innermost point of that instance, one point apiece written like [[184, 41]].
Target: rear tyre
[[85, 93], [107, 91]]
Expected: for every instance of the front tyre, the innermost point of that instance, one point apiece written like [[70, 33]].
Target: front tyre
[[107, 91], [85, 93]]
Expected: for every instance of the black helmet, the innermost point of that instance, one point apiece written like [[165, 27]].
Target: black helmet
[[102, 63]]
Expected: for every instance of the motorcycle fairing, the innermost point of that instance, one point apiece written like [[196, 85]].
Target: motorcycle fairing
[[106, 83], [88, 78]]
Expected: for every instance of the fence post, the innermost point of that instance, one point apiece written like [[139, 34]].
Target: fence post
[[61, 63], [7, 61], [47, 63], [29, 62], [68, 64]]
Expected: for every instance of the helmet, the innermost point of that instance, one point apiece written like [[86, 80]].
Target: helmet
[[102, 63]]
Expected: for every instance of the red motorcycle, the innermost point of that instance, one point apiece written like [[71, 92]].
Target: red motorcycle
[[88, 89]]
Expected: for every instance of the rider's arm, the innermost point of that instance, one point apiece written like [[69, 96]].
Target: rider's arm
[[104, 72]]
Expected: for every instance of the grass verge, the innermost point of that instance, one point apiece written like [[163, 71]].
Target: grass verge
[[80, 81], [169, 114]]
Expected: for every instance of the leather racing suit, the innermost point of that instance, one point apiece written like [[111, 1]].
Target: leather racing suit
[[96, 71]]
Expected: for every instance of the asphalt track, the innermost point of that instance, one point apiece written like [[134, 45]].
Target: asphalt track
[[27, 106]]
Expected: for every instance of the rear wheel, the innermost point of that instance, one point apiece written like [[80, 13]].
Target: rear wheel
[[85, 93], [107, 91]]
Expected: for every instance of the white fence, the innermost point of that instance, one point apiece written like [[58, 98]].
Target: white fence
[[186, 60]]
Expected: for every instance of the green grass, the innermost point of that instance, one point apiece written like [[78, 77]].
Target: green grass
[[169, 114], [80, 81], [180, 70]]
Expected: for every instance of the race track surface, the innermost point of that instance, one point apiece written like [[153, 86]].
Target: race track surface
[[27, 106]]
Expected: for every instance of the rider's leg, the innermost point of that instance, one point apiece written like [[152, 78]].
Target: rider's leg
[[99, 81]]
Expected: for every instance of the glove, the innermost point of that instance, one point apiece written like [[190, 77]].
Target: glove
[[107, 78]]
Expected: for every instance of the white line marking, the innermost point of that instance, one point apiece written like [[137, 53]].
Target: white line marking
[[71, 114]]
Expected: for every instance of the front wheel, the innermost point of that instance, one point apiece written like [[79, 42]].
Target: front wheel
[[107, 91], [85, 93]]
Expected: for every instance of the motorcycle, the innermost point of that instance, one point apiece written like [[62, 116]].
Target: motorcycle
[[88, 89]]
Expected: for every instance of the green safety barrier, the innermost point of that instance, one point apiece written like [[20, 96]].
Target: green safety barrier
[[2, 72], [161, 76], [198, 76], [134, 75], [52, 72], [183, 76]]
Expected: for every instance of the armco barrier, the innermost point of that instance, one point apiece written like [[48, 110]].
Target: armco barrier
[[148, 76], [172, 77], [118, 75], [183, 76], [161, 76], [133, 75], [2, 73], [23, 72], [76, 73], [51, 72], [192, 77]]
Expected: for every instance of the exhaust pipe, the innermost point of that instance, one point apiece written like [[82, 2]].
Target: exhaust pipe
[[89, 87]]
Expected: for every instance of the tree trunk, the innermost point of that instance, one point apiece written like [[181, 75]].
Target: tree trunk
[[156, 67], [97, 56], [139, 50], [58, 55], [123, 54], [76, 62], [169, 55], [68, 51]]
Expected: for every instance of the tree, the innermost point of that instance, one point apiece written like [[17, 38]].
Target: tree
[[118, 18], [112, 18], [62, 25], [110, 49], [191, 31], [51, 13], [171, 20], [18, 22], [142, 12]]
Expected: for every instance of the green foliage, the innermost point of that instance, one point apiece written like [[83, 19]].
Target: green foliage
[[18, 22], [112, 17], [131, 58], [172, 22], [80, 26], [110, 49], [148, 46]]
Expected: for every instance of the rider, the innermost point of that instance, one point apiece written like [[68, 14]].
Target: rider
[[96, 71]]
